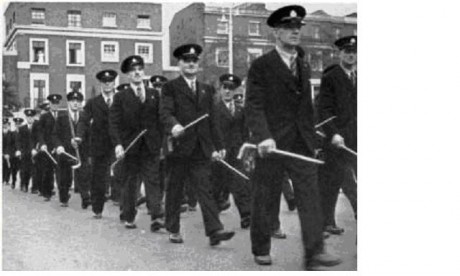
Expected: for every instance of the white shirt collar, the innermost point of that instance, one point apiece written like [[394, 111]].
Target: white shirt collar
[[285, 56], [189, 81], [134, 87], [107, 97], [348, 71]]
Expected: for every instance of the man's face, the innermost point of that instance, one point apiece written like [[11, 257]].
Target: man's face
[[288, 35], [189, 66], [6, 127], [136, 74], [54, 106], [74, 105], [108, 86], [30, 119], [348, 56], [227, 92]]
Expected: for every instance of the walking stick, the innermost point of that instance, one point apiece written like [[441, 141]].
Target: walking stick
[[50, 157], [325, 121], [189, 125], [247, 146], [234, 169], [72, 132], [349, 150], [127, 149]]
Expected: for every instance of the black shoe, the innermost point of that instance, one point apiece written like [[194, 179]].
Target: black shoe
[[322, 259], [245, 222], [34, 192], [183, 208], [130, 225], [64, 204], [291, 204], [279, 234], [85, 204], [263, 260], [47, 198], [97, 216], [157, 224], [224, 205], [334, 230], [219, 236], [176, 238], [326, 235]]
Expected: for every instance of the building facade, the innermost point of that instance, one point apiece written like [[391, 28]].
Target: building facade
[[59, 47], [213, 27]]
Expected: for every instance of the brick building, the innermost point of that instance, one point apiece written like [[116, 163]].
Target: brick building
[[209, 27], [57, 47]]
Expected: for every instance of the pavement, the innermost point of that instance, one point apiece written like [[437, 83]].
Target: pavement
[[40, 235]]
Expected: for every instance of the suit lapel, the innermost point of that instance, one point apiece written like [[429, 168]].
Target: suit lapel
[[225, 110], [282, 71], [184, 88], [99, 101]]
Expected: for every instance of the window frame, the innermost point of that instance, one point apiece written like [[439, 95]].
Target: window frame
[[222, 49], [258, 28], [67, 44], [69, 12], [38, 76], [76, 78], [136, 51], [149, 27], [38, 21], [109, 26], [31, 51], [117, 51]]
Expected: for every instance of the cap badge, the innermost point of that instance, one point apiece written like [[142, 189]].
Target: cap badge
[[106, 74], [293, 14], [231, 78], [352, 41], [192, 50]]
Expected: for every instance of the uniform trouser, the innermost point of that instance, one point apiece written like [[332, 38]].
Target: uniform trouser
[[99, 179], [288, 193], [37, 175], [47, 177], [143, 167], [83, 180], [25, 171], [64, 170], [6, 171], [115, 184], [337, 173], [198, 172], [34, 172], [15, 165], [267, 181], [223, 178]]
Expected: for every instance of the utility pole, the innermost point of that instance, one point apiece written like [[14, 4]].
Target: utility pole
[[230, 40]]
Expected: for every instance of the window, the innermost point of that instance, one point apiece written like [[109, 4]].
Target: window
[[109, 51], [38, 16], [75, 82], [75, 52], [254, 28], [38, 51], [316, 32], [253, 53], [145, 50], [109, 19], [222, 26], [316, 61], [337, 33], [222, 57], [143, 22], [39, 88], [74, 18]]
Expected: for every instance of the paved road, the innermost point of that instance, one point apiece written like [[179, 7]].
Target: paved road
[[40, 235]]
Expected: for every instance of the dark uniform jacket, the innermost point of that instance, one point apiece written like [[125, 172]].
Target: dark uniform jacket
[[233, 128], [338, 97], [62, 134], [94, 124], [9, 146], [279, 105], [24, 141], [45, 130], [181, 106], [128, 117]]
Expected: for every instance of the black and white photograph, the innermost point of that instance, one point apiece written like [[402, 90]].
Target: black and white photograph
[[179, 136]]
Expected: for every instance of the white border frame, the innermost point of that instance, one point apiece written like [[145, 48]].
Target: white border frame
[[117, 50], [249, 29], [31, 51], [38, 76], [75, 77], [82, 42], [150, 45]]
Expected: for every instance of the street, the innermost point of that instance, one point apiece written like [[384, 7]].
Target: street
[[40, 235]]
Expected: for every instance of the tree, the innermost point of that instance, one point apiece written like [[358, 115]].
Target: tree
[[10, 97]]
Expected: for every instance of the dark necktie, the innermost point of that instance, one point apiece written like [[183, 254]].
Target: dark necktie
[[293, 67], [109, 102], [353, 77], [140, 94], [193, 87]]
